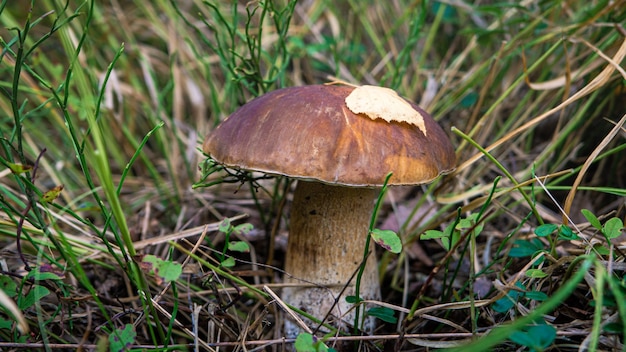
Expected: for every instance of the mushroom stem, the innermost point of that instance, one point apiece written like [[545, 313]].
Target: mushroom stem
[[328, 230]]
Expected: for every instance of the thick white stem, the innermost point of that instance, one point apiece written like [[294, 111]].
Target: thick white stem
[[327, 235]]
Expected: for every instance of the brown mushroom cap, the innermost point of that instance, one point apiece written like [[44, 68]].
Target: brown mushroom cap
[[309, 132]]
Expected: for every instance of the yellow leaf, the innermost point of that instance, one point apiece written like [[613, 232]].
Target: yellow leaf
[[384, 103]]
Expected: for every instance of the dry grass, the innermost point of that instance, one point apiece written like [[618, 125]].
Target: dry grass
[[111, 101]]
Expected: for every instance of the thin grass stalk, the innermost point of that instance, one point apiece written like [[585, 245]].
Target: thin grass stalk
[[100, 158], [504, 170], [598, 292], [620, 299], [399, 69]]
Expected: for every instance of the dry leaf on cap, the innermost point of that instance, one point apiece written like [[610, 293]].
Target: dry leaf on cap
[[384, 103]]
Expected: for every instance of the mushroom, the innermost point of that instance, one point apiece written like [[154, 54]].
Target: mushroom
[[340, 143]]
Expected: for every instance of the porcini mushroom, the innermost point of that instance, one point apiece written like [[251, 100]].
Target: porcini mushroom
[[339, 142]]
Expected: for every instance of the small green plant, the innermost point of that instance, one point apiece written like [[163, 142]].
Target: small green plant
[[391, 242], [34, 295], [163, 270], [308, 343], [8, 292], [34, 287], [563, 232], [527, 248], [516, 295], [536, 337], [228, 229], [121, 339], [452, 233], [385, 314], [611, 229], [387, 239]]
